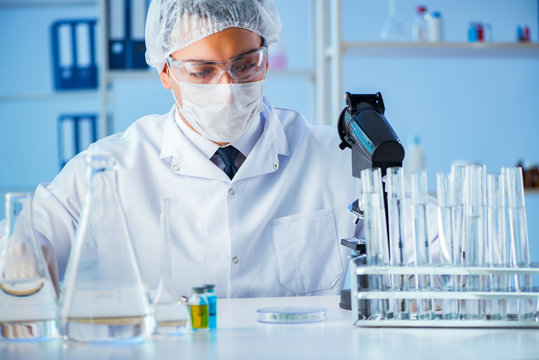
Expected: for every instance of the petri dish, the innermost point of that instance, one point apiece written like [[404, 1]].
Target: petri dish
[[291, 314]]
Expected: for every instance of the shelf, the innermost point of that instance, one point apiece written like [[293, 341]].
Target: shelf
[[60, 95], [20, 3], [411, 49], [139, 74], [309, 74], [531, 191]]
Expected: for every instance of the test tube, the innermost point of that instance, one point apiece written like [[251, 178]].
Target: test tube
[[425, 309], [375, 236], [473, 241], [446, 238], [398, 253], [518, 230], [457, 212], [497, 256]]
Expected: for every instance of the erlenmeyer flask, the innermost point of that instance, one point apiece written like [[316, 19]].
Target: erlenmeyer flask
[[103, 297], [27, 295], [171, 312]]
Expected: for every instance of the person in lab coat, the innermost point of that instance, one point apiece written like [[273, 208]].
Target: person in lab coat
[[258, 194]]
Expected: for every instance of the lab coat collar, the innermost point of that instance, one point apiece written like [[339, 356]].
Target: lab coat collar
[[185, 158]]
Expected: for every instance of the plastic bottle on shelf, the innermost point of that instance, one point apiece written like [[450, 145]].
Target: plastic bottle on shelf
[[434, 28], [472, 32], [420, 26], [414, 158], [480, 32]]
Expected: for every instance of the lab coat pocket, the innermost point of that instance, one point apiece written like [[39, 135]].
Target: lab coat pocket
[[306, 247]]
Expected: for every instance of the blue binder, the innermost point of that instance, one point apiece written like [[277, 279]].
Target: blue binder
[[126, 24], [75, 133], [73, 54]]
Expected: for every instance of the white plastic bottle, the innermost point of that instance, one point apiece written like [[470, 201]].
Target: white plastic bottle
[[413, 157], [420, 26], [434, 26]]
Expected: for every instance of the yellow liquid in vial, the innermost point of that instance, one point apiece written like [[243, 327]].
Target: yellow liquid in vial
[[199, 317]]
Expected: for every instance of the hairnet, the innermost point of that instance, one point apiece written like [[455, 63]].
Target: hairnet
[[172, 25]]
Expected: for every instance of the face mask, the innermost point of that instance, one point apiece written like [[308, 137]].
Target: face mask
[[221, 112]]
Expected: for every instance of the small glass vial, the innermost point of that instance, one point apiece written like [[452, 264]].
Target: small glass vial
[[212, 306], [198, 305]]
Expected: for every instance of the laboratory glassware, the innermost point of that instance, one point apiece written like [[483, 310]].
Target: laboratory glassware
[[425, 309], [198, 305], [212, 306], [372, 198], [396, 202], [28, 300], [171, 313], [446, 238], [473, 241], [394, 29], [518, 230], [497, 243], [103, 298]]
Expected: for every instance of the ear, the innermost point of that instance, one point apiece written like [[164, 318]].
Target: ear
[[165, 78]]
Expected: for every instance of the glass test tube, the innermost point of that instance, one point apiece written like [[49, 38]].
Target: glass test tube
[[497, 243], [518, 230], [446, 237], [375, 236], [425, 309], [399, 254], [473, 241], [457, 212]]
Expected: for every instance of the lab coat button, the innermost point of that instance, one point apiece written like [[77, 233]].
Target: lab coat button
[[231, 191], [275, 165], [235, 260], [176, 168]]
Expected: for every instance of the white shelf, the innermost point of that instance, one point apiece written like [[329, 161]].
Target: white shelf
[[417, 49], [309, 74], [60, 95], [19, 3]]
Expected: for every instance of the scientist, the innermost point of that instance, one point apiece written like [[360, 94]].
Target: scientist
[[258, 194]]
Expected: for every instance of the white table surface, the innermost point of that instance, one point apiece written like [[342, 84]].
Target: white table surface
[[240, 336]]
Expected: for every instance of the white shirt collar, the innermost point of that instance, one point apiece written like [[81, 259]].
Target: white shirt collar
[[245, 144]]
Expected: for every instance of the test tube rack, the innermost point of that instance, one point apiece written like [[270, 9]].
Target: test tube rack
[[510, 322]]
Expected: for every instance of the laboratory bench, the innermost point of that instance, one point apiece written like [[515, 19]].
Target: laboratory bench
[[241, 336]]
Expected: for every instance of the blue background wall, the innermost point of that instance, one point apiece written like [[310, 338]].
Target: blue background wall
[[463, 108]]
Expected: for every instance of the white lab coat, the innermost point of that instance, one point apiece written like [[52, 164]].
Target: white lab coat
[[274, 230]]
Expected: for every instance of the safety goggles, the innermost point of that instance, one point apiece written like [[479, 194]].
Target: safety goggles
[[242, 68]]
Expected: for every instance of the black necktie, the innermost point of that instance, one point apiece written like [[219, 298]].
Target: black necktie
[[228, 155]]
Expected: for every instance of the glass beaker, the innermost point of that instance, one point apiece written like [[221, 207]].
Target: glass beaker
[[420, 200], [27, 294], [518, 230], [103, 297], [171, 313]]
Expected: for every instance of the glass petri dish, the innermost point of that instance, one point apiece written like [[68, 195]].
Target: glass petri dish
[[291, 314]]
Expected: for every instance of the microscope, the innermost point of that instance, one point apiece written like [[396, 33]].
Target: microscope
[[363, 127]]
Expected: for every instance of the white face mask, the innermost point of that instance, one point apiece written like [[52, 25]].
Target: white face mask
[[221, 112]]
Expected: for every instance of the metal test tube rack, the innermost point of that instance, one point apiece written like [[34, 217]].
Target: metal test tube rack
[[439, 295]]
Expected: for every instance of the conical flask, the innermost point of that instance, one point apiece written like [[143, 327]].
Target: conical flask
[[171, 312], [27, 295], [103, 298]]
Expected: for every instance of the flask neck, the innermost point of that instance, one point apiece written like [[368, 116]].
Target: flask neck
[[18, 212]]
